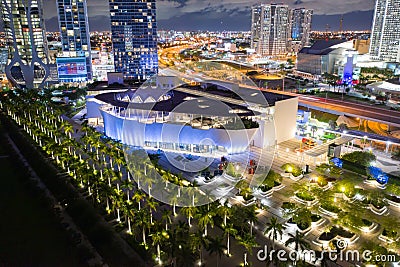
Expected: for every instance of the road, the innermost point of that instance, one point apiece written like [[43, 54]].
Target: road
[[338, 107]]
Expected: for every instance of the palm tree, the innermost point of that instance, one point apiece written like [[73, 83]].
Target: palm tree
[[142, 221], [128, 186], [225, 212], [251, 216], [298, 241], [158, 238], [248, 242], [138, 196], [198, 242], [205, 219], [274, 229], [137, 172], [314, 129], [229, 230], [152, 204], [166, 217], [189, 212], [216, 246]]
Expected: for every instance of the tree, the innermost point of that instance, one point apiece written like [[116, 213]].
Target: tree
[[360, 157], [298, 241], [128, 186], [343, 127], [248, 242], [302, 217], [313, 130], [216, 246], [225, 212], [274, 229], [251, 216], [332, 125], [166, 217], [158, 238], [138, 196], [198, 241], [189, 212], [229, 230], [205, 218], [142, 221]]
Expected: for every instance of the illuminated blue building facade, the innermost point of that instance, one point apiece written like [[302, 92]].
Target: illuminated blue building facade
[[134, 37], [300, 27]]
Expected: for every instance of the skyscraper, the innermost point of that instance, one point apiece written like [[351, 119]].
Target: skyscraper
[[75, 39], [385, 36], [270, 29], [300, 27], [134, 37], [24, 27]]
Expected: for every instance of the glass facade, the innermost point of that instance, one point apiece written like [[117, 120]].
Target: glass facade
[[385, 36], [134, 37], [300, 27], [25, 32], [270, 29], [74, 29]]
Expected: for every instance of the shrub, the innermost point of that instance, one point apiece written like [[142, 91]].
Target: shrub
[[315, 217], [230, 170], [247, 197], [393, 198], [289, 207], [392, 234], [330, 207], [306, 196], [272, 179], [366, 222], [322, 181], [360, 157], [292, 168]]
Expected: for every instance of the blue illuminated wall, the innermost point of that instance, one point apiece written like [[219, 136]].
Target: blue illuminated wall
[[134, 38], [348, 71], [134, 133]]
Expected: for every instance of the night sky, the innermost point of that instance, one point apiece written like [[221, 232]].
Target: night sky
[[228, 14]]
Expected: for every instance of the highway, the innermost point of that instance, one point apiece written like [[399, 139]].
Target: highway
[[368, 112], [350, 109], [333, 106]]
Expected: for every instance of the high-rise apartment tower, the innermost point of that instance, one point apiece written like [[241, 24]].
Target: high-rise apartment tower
[[25, 32], [134, 38], [300, 28], [385, 35], [75, 39], [270, 29]]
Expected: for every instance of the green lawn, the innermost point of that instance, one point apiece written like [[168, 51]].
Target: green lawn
[[30, 233]]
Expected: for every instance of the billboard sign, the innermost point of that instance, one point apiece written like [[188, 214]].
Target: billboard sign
[[71, 66]]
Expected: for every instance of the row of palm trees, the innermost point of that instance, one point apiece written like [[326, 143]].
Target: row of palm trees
[[97, 167]]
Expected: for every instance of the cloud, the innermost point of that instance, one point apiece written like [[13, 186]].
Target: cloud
[[220, 9], [171, 8]]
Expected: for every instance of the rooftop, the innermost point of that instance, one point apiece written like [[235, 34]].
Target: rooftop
[[194, 100], [321, 47]]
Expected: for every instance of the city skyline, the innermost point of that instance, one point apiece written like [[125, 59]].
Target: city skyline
[[223, 15]]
